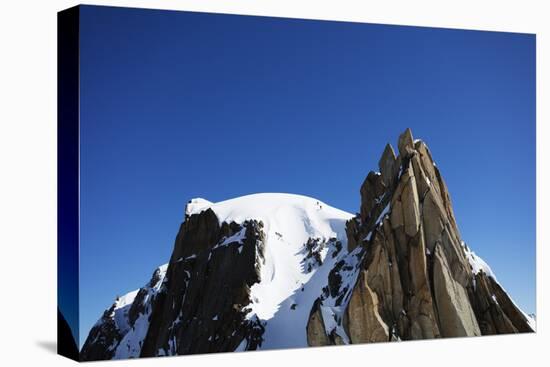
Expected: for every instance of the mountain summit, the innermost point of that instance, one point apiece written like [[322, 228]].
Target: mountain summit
[[268, 271]]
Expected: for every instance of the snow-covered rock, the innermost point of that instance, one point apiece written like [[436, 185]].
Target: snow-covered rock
[[121, 330]]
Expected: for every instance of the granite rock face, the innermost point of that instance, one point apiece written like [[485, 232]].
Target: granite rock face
[[415, 278], [367, 326], [199, 301], [207, 290]]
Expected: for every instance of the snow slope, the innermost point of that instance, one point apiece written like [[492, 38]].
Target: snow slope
[[287, 290], [133, 336]]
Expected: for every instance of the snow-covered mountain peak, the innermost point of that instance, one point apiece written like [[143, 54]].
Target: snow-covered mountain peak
[[279, 211], [294, 225]]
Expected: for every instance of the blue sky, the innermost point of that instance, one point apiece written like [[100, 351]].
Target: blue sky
[[178, 105]]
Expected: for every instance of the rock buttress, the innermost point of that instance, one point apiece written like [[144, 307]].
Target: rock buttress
[[207, 288], [414, 280]]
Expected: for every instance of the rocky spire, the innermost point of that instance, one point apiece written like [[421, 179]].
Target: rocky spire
[[416, 279]]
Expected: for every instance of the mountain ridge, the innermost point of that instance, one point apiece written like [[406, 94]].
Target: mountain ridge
[[275, 270]]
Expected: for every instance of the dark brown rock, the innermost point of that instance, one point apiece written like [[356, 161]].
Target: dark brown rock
[[495, 311], [389, 166], [206, 298], [101, 339], [372, 194], [352, 232]]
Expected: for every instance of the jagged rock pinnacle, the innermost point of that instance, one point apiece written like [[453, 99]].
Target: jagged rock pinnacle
[[415, 278]]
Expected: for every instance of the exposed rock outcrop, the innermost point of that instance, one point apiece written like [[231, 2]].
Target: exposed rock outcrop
[[416, 279], [102, 339], [316, 332], [121, 330], [496, 312], [203, 307], [196, 304], [363, 308], [456, 315]]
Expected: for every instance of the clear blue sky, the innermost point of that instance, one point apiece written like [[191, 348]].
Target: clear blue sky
[[179, 105]]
